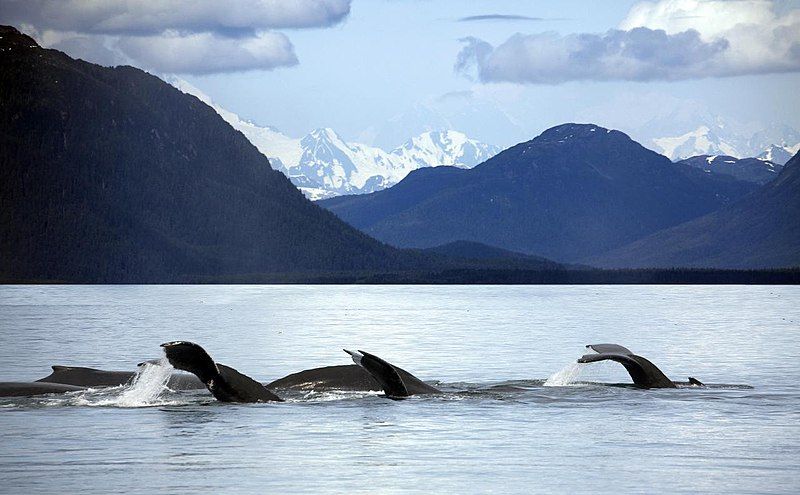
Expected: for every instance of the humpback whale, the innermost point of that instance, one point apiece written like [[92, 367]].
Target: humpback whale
[[643, 373], [90, 377], [342, 377], [395, 382], [24, 389], [225, 383]]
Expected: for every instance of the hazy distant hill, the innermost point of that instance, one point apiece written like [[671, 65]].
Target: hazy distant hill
[[574, 191], [110, 174], [761, 230]]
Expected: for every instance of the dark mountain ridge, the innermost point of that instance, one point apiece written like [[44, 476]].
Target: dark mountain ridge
[[746, 169], [112, 175], [759, 231], [574, 191]]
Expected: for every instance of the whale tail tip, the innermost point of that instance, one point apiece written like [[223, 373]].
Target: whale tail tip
[[695, 381], [188, 356]]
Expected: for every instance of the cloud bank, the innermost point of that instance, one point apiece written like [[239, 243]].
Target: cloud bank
[[181, 36], [665, 40]]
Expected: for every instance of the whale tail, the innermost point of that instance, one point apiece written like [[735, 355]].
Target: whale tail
[[643, 373], [188, 356], [383, 372]]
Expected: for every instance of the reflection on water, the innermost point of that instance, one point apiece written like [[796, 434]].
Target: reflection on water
[[518, 415]]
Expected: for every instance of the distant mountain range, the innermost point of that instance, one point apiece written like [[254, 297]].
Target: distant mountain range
[[761, 230], [323, 165], [755, 170], [719, 139], [573, 192]]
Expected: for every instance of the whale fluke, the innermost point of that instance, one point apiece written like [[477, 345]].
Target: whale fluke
[[609, 348], [643, 373], [396, 382], [224, 382]]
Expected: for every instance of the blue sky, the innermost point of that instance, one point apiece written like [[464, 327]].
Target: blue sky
[[356, 65]]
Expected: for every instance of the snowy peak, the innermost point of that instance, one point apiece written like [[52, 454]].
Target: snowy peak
[[323, 165], [779, 154], [701, 141], [450, 148]]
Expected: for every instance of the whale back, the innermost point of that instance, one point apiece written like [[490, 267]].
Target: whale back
[[27, 389], [87, 377], [342, 377]]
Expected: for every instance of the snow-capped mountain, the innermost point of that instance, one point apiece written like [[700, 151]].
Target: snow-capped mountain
[[329, 166], [701, 141], [323, 165], [720, 139], [779, 154]]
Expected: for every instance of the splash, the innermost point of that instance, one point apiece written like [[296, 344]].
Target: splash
[[566, 376], [148, 384]]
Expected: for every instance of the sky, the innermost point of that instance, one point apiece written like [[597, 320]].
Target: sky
[[379, 71]]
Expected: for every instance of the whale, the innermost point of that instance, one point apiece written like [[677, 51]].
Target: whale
[[643, 373], [395, 382], [225, 383], [29, 389], [348, 377], [95, 378]]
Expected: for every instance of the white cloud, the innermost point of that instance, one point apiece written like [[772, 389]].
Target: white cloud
[[179, 36], [205, 53], [156, 16], [665, 40]]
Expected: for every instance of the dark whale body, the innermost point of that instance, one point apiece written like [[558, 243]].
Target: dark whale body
[[348, 377], [26, 389], [225, 383], [395, 382], [90, 377], [643, 373]]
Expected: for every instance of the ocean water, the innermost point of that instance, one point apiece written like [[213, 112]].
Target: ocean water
[[518, 415]]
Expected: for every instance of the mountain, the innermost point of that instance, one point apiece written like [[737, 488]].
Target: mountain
[[747, 169], [324, 165], [332, 167], [574, 191], [761, 230], [466, 250], [720, 137], [778, 154], [112, 175]]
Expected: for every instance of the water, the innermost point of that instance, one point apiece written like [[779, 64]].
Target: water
[[499, 429]]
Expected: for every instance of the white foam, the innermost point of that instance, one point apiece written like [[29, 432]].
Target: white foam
[[148, 384], [566, 376]]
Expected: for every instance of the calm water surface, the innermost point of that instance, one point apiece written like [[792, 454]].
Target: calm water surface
[[499, 430]]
